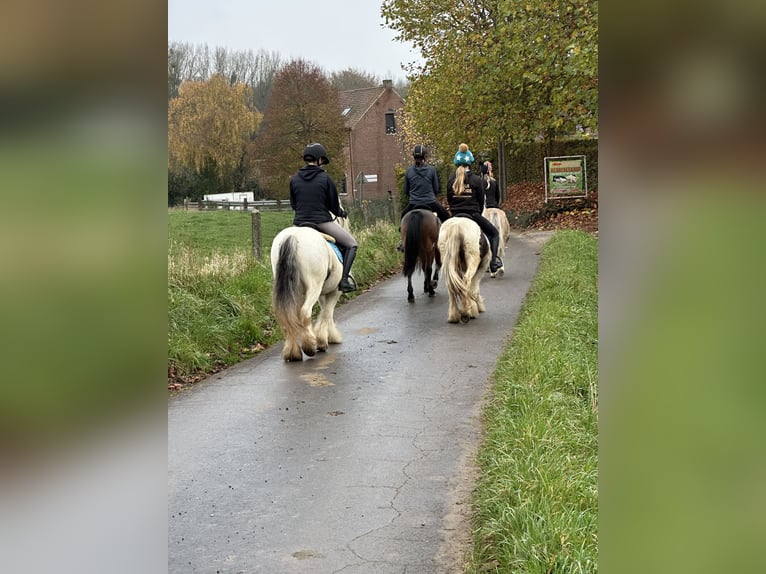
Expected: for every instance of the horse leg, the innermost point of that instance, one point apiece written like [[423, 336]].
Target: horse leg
[[437, 267], [428, 284], [477, 301], [308, 338], [466, 307], [325, 330], [333, 333], [291, 351], [410, 294], [453, 313]]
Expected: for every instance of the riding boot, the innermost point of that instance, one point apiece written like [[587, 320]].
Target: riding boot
[[347, 282], [496, 263]]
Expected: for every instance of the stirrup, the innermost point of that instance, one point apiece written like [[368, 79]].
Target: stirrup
[[347, 284]]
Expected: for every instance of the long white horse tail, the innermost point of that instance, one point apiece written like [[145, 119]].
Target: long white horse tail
[[287, 293], [455, 275]]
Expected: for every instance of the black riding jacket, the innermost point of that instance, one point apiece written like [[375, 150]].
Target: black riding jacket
[[492, 192], [313, 196], [470, 199]]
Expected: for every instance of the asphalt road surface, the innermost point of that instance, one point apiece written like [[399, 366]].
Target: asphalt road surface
[[358, 460]]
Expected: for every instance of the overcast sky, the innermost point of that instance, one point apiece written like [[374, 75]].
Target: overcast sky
[[335, 34]]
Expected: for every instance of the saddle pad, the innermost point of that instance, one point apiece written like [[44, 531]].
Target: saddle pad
[[335, 248]]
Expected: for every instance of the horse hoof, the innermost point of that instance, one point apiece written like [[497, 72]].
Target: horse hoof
[[464, 318], [431, 294]]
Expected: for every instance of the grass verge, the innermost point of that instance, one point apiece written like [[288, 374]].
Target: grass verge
[[219, 297], [536, 503]]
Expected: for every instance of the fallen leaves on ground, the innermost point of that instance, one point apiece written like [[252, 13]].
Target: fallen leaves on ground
[[529, 199]]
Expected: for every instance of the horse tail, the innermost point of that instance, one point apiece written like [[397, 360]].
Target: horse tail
[[454, 252], [499, 219], [412, 242], [286, 295], [494, 219]]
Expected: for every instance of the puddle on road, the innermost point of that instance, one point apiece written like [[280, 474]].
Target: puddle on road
[[325, 361], [367, 330], [317, 380], [307, 554]]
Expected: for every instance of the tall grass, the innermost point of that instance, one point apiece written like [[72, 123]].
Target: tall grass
[[536, 500], [219, 296]]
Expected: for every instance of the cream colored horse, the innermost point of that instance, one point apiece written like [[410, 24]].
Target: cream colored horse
[[465, 257], [499, 219], [306, 270]]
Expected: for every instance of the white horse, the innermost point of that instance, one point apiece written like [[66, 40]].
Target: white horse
[[499, 219], [306, 270], [465, 257]]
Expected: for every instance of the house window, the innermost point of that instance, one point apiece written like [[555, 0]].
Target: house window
[[390, 122]]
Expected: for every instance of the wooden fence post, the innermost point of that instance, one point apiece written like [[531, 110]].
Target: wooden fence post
[[256, 225]]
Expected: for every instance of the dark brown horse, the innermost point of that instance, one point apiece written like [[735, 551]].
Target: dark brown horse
[[420, 233]]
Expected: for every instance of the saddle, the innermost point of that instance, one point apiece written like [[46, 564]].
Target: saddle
[[329, 238], [313, 226]]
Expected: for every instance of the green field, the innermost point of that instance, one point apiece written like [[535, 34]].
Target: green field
[[208, 232], [219, 296]]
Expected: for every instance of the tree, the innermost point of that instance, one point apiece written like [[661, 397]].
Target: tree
[[500, 70], [351, 79], [209, 126], [303, 108], [187, 62]]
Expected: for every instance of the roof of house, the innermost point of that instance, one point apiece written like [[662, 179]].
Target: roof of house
[[355, 103]]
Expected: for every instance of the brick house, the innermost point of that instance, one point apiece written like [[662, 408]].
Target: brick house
[[371, 145]]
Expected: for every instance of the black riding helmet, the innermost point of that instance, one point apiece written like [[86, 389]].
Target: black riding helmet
[[316, 152], [419, 151]]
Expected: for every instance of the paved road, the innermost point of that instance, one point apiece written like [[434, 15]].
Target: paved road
[[356, 461]]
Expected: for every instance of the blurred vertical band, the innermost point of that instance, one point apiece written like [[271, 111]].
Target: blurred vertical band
[[682, 276], [82, 288]]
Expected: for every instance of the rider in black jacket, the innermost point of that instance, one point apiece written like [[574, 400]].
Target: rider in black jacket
[[314, 198], [465, 194], [491, 189]]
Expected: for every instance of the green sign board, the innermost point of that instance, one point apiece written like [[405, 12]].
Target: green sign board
[[565, 177]]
